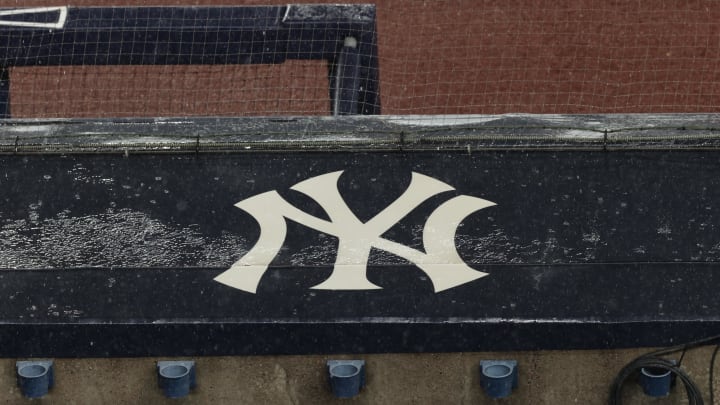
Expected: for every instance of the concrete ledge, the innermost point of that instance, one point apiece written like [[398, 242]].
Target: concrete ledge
[[545, 377]]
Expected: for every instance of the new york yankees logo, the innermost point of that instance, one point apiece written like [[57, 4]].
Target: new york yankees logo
[[440, 261]]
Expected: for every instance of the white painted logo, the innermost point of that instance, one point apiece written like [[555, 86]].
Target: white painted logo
[[60, 23], [440, 261]]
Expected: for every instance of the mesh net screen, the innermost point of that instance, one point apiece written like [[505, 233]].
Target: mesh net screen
[[434, 57], [291, 88]]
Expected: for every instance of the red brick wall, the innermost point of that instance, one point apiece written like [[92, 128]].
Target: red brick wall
[[436, 57]]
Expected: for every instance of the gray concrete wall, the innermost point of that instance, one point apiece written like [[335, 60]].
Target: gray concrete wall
[[569, 377]]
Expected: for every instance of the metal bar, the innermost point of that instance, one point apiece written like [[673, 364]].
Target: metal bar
[[4, 92], [347, 79]]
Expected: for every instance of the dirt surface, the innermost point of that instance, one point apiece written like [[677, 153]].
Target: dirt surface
[[436, 57]]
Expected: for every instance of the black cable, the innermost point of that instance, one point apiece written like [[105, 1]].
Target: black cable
[[682, 355], [686, 346], [712, 369], [654, 359], [693, 391]]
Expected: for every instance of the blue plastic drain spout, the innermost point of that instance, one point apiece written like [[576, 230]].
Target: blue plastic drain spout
[[655, 382], [35, 378], [176, 378], [498, 377], [347, 377]]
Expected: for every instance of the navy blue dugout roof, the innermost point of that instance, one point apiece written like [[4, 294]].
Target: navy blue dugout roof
[[570, 232]]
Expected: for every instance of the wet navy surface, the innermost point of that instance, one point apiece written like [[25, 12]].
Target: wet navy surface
[[113, 255], [178, 211]]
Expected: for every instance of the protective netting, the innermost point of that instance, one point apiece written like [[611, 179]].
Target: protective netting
[[433, 57]]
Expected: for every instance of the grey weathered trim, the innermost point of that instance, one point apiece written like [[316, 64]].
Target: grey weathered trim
[[465, 133]]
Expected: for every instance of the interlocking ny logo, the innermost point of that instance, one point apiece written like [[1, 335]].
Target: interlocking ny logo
[[440, 261]]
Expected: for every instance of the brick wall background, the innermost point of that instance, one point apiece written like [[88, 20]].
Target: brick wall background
[[436, 57]]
